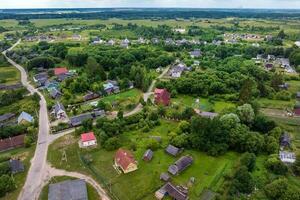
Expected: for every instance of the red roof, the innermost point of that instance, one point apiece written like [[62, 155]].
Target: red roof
[[124, 158], [85, 137], [60, 70], [159, 91], [297, 111], [162, 96]]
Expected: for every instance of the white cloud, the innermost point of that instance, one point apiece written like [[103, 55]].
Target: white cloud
[[150, 3]]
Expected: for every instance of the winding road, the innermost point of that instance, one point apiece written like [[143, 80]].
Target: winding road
[[40, 172]]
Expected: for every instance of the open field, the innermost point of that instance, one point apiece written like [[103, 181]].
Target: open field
[[207, 170], [25, 154], [9, 75]]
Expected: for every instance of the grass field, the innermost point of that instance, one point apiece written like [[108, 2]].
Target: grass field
[[9, 75], [26, 104], [92, 193], [25, 154], [204, 104], [207, 170]]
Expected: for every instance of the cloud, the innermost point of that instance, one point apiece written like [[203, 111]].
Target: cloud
[[150, 3]]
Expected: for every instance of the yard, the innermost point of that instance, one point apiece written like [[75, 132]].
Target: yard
[[25, 154], [207, 170], [204, 104]]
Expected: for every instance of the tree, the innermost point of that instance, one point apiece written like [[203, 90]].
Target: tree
[[246, 113], [120, 114], [94, 70], [271, 145], [112, 144], [246, 91], [7, 184], [276, 189], [253, 142], [40, 62], [276, 80], [230, 120], [4, 168], [296, 166], [188, 113], [248, 160], [281, 34], [242, 182], [59, 50], [152, 144], [275, 165], [180, 140]]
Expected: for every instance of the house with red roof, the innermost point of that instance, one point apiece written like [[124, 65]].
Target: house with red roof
[[162, 96], [297, 111], [60, 70], [125, 161], [88, 139]]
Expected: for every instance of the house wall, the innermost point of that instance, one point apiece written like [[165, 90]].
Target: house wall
[[130, 168], [89, 143]]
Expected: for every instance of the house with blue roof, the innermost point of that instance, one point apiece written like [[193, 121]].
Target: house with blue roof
[[24, 117], [111, 87]]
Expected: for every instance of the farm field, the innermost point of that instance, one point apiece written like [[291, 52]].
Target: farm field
[[9, 75], [207, 170]]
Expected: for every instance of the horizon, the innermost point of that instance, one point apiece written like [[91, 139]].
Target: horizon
[[201, 4]]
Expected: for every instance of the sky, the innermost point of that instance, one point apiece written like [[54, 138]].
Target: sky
[[150, 3]]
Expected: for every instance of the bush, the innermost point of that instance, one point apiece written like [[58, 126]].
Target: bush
[[7, 184], [275, 165], [112, 144], [248, 160]]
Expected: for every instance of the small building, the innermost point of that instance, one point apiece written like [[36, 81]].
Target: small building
[[297, 43], [210, 115], [111, 87], [6, 117], [269, 66], [172, 150], [148, 155], [175, 192], [99, 113], [165, 177], [60, 70], [88, 139], [125, 43], [59, 111], [180, 165], [68, 190], [195, 54], [24, 117], [55, 93], [12, 142], [287, 157], [284, 86], [141, 40], [297, 111], [285, 140], [155, 40], [76, 37], [41, 78], [162, 96], [16, 166], [77, 120], [90, 96], [298, 95], [49, 85], [111, 42], [125, 161]]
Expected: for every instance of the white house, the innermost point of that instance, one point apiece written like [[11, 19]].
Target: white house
[[88, 139], [287, 157]]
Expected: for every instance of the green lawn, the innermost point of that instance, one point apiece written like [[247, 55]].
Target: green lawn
[[9, 75], [278, 104], [92, 193], [24, 154], [204, 104], [207, 170]]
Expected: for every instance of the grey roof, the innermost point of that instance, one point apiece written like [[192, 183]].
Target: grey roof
[[41, 76], [16, 166], [77, 120], [285, 140], [180, 165], [6, 116], [148, 155], [298, 94], [174, 192], [195, 53], [98, 113], [68, 190], [55, 93], [208, 114], [174, 151], [58, 107], [165, 177]]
